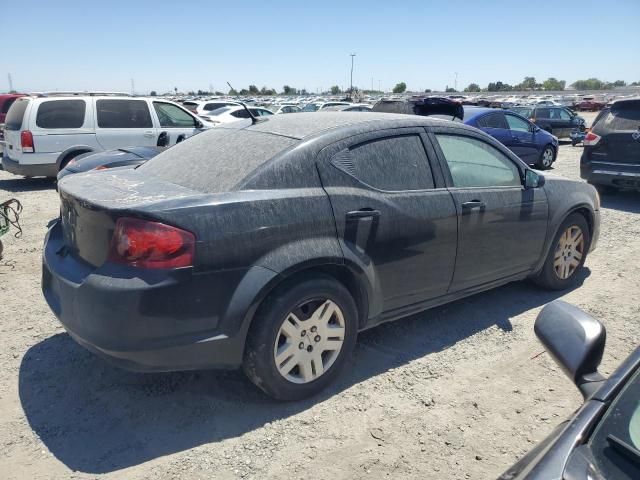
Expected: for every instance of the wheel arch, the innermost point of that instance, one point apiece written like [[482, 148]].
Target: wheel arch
[[583, 209], [347, 275], [71, 152]]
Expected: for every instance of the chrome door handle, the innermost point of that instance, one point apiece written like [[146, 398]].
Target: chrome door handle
[[149, 134]]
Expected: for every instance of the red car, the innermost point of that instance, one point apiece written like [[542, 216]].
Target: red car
[[6, 100], [590, 105]]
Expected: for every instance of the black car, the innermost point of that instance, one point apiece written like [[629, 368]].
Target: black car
[[558, 121], [270, 246], [611, 156], [602, 440], [122, 157]]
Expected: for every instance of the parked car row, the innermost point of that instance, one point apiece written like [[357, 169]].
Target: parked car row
[[44, 133]]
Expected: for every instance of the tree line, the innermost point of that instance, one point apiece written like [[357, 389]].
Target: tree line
[[529, 83]]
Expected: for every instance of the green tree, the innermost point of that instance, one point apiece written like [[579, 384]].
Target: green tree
[[529, 83], [589, 84], [335, 90], [428, 90], [619, 83], [153, 93], [553, 83], [253, 90], [287, 90], [499, 87], [450, 90], [233, 92], [244, 92], [473, 87], [400, 87]]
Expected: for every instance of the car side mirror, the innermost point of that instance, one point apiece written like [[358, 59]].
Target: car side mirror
[[575, 340], [199, 124], [533, 179]]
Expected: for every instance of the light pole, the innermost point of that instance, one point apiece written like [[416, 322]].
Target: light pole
[[351, 90], [455, 83]]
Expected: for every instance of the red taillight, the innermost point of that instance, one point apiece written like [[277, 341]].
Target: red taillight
[[100, 167], [26, 141], [591, 139], [145, 244]]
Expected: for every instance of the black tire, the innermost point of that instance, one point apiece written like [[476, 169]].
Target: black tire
[[543, 162], [259, 362], [548, 278], [605, 189], [70, 157]]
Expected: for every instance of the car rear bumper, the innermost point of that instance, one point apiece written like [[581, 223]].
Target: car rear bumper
[[146, 320], [619, 175], [28, 170]]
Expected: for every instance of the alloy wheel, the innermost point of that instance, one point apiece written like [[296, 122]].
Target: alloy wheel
[[309, 341], [547, 157], [569, 252]]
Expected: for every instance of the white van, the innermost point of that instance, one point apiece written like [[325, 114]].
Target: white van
[[43, 133]]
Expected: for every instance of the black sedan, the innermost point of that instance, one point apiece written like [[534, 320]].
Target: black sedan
[[602, 440], [271, 246], [122, 157]]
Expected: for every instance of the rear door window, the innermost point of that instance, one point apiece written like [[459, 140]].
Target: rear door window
[[474, 163], [390, 164], [16, 114], [61, 114], [543, 113], [493, 120], [123, 114]]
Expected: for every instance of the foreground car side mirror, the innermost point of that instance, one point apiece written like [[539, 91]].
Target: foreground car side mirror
[[575, 340], [533, 179]]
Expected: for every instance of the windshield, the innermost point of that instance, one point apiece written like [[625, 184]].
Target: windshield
[[620, 425]]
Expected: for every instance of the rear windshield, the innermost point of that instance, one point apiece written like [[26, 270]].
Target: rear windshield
[[15, 115], [216, 160], [622, 117]]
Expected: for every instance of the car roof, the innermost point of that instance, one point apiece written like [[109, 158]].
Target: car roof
[[471, 112], [625, 100], [303, 125]]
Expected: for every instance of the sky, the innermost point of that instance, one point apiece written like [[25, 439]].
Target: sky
[[191, 45]]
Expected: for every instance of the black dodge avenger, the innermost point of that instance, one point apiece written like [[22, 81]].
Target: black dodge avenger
[[270, 246]]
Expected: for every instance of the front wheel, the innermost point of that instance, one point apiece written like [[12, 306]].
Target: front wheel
[[301, 337], [567, 254], [546, 158]]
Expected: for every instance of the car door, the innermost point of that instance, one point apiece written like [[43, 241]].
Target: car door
[[124, 123], [501, 225], [523, 138], [175, 121], [393, 214]]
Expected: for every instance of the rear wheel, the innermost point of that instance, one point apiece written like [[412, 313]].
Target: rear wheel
[[567, 254], [546, 158], [301, 337]]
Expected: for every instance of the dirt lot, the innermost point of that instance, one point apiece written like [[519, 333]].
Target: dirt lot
[[456, 392]]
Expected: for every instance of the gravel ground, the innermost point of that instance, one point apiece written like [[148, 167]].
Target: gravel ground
[[460, 391]]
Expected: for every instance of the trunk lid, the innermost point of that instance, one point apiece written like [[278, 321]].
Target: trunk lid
[[91, 203]]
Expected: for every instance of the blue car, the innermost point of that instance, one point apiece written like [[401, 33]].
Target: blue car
[[533, 145]]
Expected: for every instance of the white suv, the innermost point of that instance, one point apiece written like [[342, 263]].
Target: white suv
[[44, 133]]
